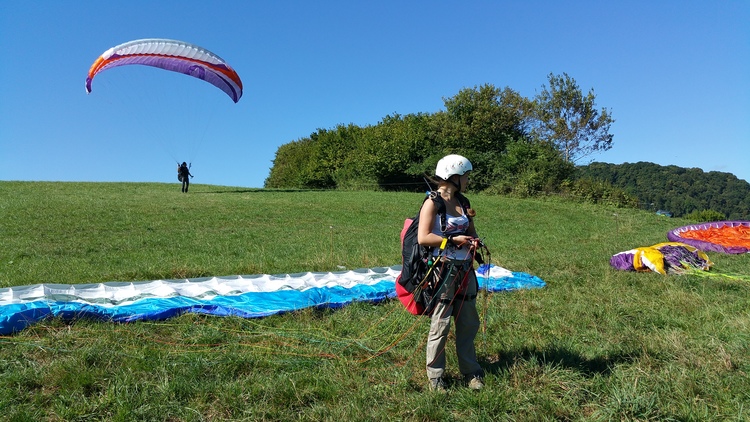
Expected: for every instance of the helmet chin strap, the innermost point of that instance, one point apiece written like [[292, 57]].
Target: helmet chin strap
[[457, 185]]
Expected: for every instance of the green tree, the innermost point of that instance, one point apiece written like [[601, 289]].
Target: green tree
[[290, 164], [480, 123], [529, 168], [564, 116], [384, 155]]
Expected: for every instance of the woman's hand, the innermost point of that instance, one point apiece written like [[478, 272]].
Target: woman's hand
[[462, 239]]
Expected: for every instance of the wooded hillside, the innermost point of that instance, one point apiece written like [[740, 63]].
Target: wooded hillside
[[676, 189]]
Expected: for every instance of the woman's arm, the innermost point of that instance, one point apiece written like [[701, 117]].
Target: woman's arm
[[425, 236]]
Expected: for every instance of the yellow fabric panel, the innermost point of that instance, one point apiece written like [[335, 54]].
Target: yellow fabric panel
[[649, 258]]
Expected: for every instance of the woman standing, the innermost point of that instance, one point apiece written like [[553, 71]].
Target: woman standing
[[454, 241]]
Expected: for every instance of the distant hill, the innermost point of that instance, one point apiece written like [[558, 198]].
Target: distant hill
[[676, 189]]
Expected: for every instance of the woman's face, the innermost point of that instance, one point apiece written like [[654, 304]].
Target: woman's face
[[464, 181]]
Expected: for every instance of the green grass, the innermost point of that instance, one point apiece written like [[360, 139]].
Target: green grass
[[595, 344]]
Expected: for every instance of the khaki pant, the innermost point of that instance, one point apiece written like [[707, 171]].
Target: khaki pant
[[462, 307]]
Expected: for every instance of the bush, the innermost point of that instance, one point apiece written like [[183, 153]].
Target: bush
[[705, 215], [600, 192]]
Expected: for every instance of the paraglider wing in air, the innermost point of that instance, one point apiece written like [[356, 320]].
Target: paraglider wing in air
[[173, 55]]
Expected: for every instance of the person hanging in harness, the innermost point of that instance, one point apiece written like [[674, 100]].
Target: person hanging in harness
[[183, 175], [455, 281]]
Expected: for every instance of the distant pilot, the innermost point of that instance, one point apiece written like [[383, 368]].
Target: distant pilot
[[183, 174]]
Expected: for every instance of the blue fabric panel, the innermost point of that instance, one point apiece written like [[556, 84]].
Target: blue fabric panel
[[16, 317]]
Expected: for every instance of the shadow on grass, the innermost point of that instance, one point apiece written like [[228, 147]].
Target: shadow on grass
[[252, 190], [561, 358]]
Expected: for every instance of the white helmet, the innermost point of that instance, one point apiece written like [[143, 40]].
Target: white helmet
[[452, 164]]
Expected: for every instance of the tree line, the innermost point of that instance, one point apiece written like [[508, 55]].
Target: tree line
[[516, 144]]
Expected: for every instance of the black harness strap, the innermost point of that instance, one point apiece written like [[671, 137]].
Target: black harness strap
[[460, 297]]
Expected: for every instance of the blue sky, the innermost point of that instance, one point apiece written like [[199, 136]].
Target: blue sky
[[674, 74]]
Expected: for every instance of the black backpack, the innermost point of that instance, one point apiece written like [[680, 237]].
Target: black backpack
[[183, 174], [415, 258]]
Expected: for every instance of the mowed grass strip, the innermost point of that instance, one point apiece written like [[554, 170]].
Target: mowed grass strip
[[595, 344]]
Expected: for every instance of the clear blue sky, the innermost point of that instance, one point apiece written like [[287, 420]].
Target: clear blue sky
[[675, 75]]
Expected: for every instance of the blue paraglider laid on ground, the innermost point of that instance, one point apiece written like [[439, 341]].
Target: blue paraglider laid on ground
[[242, 296]]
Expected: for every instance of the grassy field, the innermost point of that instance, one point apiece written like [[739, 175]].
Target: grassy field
[[595, 344]]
